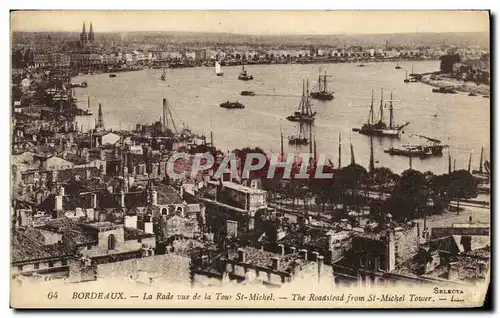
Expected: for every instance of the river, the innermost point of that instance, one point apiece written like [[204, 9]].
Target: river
[[195, 95]]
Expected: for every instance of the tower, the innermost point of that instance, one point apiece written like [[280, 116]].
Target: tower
[[91, 34], [83, 36], [100, 120]]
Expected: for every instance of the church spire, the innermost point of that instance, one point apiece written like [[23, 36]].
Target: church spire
[[83, 36], [91, 34]]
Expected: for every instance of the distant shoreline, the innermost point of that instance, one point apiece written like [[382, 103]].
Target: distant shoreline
[[461, 86]]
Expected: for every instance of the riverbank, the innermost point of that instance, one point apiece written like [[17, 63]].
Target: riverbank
[[461, 86]]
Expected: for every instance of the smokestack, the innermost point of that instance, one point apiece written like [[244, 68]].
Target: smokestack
[[293, 249], [320, 260]]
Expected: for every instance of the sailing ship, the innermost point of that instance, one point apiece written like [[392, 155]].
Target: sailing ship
[[322, 92], [444, 90], [304, 113], [380, 128], [397, 65], [243, 75], [218, 69], [300, 138], [163, 76], [406, 77]]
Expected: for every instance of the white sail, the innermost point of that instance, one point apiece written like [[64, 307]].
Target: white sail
[[217, 68]]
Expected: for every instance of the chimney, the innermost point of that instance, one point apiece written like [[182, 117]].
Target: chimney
[[93, 200], [148, 227], [154, 198], [276, 263], [281, 249], [321, 261], [90, 215], [452, 271], [59, 202], [122, 199], [391, 251], [293, 249], [88, 175], [315, 256], [330, 240], [131, 221], [241, 255], [61, 191], [303, 254], [54, 175]]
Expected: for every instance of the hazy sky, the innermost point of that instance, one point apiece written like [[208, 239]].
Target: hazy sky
[[256, 22]]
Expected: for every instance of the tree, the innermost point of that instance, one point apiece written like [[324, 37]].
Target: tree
[[461, 184], [410, 195], [447, 62]]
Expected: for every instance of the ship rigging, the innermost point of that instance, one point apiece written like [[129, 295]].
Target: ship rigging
[[304, 114]]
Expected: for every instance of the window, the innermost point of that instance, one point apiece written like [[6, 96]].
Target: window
[[64, 262], [89, 246], [20, 268], [36, 266], [111, 242], [51, 264], [164, 211]]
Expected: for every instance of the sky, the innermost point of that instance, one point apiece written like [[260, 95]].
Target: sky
[[255, 22]]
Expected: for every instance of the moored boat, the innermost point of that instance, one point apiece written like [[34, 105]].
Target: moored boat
[[444, 90], [321, 92], [380, 128], [247, 93], [112, 75], [304, 114], [243, 76], [472, 94], [232, 105], [218, 69]]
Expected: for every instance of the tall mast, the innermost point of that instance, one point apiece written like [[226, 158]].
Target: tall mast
[[470, 162], [340, 150], [281, 144], [324, 83], [315, 150], [481, 161], [319, 81], [371, 111], [449, 160], [307, 96], [88, 102], [382, 105], [391, 113], [353, 161], [406, 73], [372, 160], [310, 140], [164, 118]]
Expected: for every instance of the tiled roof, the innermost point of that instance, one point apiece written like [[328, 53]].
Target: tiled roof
[[166, 194], [263, 259], [78, 236], [132, 233], [26, 249]]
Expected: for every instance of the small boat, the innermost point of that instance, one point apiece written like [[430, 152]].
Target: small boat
[[112, 75], [444, 90], [247, 93], [472, 94], [406, 77], [397, 65], [218, 69], [163, 76], [304, 114], [243, 75], [486, 96], [88, 112], [232, 105], [84, 84], [361, 65], [322, 92]]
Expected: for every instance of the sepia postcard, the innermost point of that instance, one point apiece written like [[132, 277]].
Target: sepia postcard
[[250, 159]]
